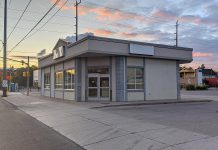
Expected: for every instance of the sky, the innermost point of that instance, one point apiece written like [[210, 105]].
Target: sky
[[139, 20]]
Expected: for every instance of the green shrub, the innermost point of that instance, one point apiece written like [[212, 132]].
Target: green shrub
[[190, 87], [204, 87]]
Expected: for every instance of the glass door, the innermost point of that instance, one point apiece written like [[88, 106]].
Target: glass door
[[93, 88], [98, 87], [104, 87]]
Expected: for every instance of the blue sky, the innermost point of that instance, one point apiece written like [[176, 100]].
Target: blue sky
[[143, 20]]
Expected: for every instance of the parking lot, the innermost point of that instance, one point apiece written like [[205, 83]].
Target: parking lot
[[211, 94], [196, 117]]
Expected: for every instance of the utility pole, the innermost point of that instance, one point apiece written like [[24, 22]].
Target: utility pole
[[4, 82], [76, 5], [177, 25], [28, 77], [10, 78]]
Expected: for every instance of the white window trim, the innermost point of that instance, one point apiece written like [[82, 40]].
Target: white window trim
[[71, 84], [135, 83]]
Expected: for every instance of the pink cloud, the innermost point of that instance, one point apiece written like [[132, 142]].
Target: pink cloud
[[202, 54], [102, 13], [100, 32], [164, 15]]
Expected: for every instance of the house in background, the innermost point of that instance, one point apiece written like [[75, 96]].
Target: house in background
[[198, 77], [36, 78], [187, 76], [206, 76]]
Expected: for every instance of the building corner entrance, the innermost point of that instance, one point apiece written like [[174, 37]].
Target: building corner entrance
[[98, 84]]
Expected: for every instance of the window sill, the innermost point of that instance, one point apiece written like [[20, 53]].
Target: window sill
[[135, 90], [70, 90]]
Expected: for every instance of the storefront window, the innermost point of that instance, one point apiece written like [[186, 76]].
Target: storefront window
[[59, 80], [135, 78], [47, 80], [69, 79]]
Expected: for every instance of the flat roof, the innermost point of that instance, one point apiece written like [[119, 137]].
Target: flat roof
[[128, 42], [122, 41]]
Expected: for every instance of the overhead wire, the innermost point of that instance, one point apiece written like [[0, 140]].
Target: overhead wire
[[51, 8], [19, 18], [49, 19]]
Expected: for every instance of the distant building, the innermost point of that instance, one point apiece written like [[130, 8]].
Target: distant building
[[187, 76], [202, 74], [36, 78]]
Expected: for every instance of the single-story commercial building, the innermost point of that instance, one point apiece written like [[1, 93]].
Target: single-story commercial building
[[105, 69]]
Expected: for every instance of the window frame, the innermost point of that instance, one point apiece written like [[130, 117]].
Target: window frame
[[135, 83], [47, 85], [59, 86], [73, 78]]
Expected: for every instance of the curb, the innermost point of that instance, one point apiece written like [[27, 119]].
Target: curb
[[152, 103]]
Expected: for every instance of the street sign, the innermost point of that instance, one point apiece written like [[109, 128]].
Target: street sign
[[5, 83]]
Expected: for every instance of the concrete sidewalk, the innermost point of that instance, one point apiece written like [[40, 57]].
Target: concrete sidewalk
[[97, 130]]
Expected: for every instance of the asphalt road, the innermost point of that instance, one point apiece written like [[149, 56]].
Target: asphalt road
[[22, 132], [196, 117]]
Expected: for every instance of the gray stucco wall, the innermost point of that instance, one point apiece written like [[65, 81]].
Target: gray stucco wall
[[120, 78], [78, 79], [42, 82], [178, 81], [52, 81]]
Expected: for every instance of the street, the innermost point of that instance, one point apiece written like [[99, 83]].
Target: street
[[19, 131], [211, 94]]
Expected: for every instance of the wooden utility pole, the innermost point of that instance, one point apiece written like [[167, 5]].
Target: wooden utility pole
[[76, 5], [28, 75], [177, 25], [5, 82]]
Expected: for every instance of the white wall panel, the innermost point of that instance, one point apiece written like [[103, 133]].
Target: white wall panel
[[135, 96], [69, 95], [47, 92], [59, 94], [59, 67], [135, 61], [69, 64], [98, 61], [161, 82]]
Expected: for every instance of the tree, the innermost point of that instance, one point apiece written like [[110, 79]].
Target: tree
[[18, 76], [202, 66]]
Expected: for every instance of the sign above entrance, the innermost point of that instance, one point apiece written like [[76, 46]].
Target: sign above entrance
[[58, 52], [141, 49]]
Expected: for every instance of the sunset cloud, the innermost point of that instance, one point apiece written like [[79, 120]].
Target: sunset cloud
[[100, 32], [163, 14], [202, 54], [102, 13]]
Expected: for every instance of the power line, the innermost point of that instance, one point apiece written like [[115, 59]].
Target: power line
[[34, 12], [55, 31], [19, 18], [48, 19], [35, 25]]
